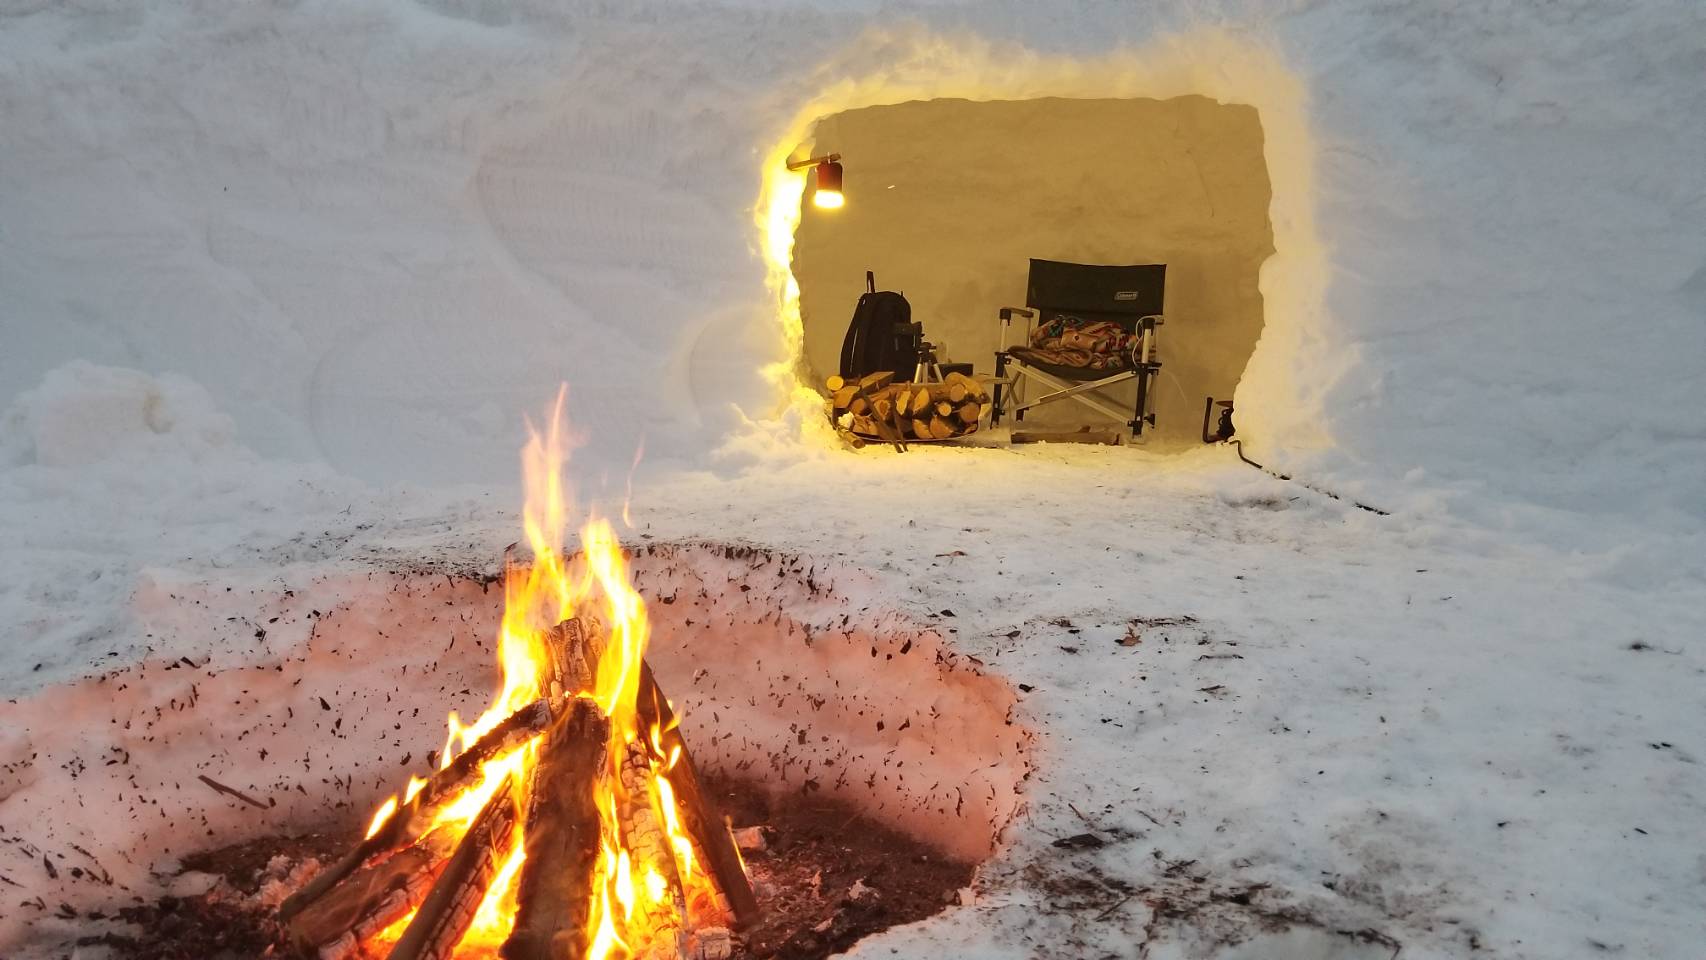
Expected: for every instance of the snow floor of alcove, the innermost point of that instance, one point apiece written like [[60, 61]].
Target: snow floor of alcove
[[1280, 717]]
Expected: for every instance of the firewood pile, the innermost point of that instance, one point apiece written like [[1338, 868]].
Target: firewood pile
[[876, 408], [420, 866]]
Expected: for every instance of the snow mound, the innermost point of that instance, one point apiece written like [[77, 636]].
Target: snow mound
[[83, 413]]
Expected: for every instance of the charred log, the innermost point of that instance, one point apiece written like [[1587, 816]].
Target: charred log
[[413, 818], [699, 814], [554, 895], [449, 908], [373, 897], [662, 918]]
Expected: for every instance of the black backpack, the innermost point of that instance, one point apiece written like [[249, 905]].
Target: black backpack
[[882, 335]]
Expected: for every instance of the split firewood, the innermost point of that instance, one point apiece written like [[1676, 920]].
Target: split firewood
[[859, 408], [887, 433], [554, 894], [410, 820], [650, 847], [699, 813], [449, 908], [372, 898], [875, 381], [972, 387]]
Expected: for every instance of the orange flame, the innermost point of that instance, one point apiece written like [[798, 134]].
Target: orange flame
[[538, 596]]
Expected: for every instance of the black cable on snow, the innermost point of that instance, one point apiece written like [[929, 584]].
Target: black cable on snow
[[1238, 448]]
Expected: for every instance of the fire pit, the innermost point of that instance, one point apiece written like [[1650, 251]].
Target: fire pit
[[570, 820], [583, 813]]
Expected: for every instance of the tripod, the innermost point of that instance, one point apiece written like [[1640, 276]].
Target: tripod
[[927, 369]]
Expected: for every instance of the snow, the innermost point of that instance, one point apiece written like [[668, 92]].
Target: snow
[[281, 279], [84, 414], [345, 221], [1471, 740]]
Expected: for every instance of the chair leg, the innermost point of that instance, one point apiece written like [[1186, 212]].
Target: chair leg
[[1146, 369], [1000, 371], [1142, 401]]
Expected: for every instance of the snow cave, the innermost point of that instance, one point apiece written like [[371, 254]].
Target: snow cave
[[949, 199]]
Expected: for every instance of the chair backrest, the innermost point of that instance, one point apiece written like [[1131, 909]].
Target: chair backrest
[[1095, 291]]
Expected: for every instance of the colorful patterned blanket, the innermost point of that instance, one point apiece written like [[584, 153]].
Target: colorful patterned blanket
[[1068, 341]]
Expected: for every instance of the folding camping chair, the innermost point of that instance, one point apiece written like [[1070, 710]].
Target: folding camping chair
[[1066, 292]]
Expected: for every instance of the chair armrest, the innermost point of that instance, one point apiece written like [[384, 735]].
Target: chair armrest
[[1007, 315]]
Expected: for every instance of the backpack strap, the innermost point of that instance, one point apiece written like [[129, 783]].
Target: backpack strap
[[851, 344]]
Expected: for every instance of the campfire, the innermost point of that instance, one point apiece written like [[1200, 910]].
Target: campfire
[[568, 821]]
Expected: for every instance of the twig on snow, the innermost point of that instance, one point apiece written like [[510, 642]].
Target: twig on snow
[[1105, 914], [232, 792]]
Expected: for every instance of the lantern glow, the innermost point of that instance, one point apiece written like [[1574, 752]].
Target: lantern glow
[[826, 192]]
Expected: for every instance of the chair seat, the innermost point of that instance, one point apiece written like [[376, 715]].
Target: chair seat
[[1057, 363]]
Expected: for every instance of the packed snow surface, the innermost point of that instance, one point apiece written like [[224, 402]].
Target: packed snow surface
[[280, 280], [1247, 690]]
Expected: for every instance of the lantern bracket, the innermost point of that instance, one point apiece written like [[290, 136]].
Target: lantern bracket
[[813, 161]]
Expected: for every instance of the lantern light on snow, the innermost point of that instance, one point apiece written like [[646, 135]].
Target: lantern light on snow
[[827, 193]]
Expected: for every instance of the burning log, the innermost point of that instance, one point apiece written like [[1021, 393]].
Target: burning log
[[662, 917], [406, 824], [448, 910], [699, 814], [371, 898], [340, 911], [572, 648], [352, 945], [555, 892]]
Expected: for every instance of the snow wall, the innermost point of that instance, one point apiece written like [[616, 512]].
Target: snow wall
[[377, 234]]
